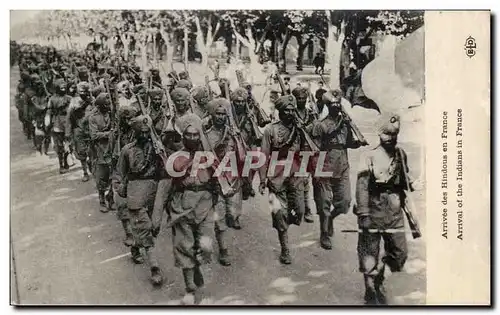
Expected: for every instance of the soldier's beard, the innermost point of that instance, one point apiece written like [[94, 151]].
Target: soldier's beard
[[389, 146], [192, 145], [286, 118]]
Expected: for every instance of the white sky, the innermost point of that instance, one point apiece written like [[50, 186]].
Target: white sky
[[20, 16]]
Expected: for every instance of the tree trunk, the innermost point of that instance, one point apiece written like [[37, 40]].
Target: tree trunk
[[228, 38], [282, 51], [335, 39], [255, 67], [301, 50]]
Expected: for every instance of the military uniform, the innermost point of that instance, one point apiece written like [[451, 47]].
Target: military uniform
[[57, 109], [191, 212], [102, 147], [78, 125], [288, 189], [332, 195], [306, 118], [37, 104], [202, 96], [244, 124], [222, 140], [380, 198], [137, 173], [123, 136]]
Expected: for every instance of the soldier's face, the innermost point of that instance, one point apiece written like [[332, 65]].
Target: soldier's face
[[220, 116], [301, 100], [143, 135], [334, 108], [239, 104], [85, 95], [388, 140], [62, 88], [156, 100], [181, 105], [191, 138], [286, 114]]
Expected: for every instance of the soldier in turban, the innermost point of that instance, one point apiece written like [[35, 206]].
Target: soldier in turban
[[181, 99], [78, 125], [156, 107], [123, 136], [137, 177], [101, 137], [223, 140], [250, 133], [57, 109], [288, 189], [306, 118], [184, 84], [201, 96], [382, 179], [191, 208]]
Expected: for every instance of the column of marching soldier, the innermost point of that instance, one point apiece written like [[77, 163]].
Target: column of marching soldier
[[122, 127]]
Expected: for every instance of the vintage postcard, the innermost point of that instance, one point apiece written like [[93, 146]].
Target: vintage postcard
[[250, 157]]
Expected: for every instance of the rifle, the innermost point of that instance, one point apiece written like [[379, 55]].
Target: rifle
[[408, 206], [314, 106], [250, 112], [304, 133], [241, 146], [207, 84], [157, 144], [354, 127], [262, 117]]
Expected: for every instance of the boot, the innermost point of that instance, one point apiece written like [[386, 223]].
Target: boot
[[62, 169], [379, 288], [85, 177], [223, 252], [136, 255], [46, 145], [102, 202], [129, 239], [370, 294], [285, 251], [198, 277], [65, 160], [229, 220], [110, 200], [188, 274], [236, 224], [325, 241], [156, 276], [308, 217]]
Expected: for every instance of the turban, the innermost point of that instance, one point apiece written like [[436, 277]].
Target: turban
[[122, 86], [97, 90], [82, 70], [300, 92], [190, 120], [184, 75], [199, 93], [83, 87], [389, 123], [215, 104], [155, 92], [285, 102], [35, 77], [239, 94], [138, 88], [184, 84], [179, 94], [102, 98], [334, 96], [126, 111], [141, 123]]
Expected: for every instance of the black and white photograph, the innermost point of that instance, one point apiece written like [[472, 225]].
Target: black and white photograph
[[218, 157]]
